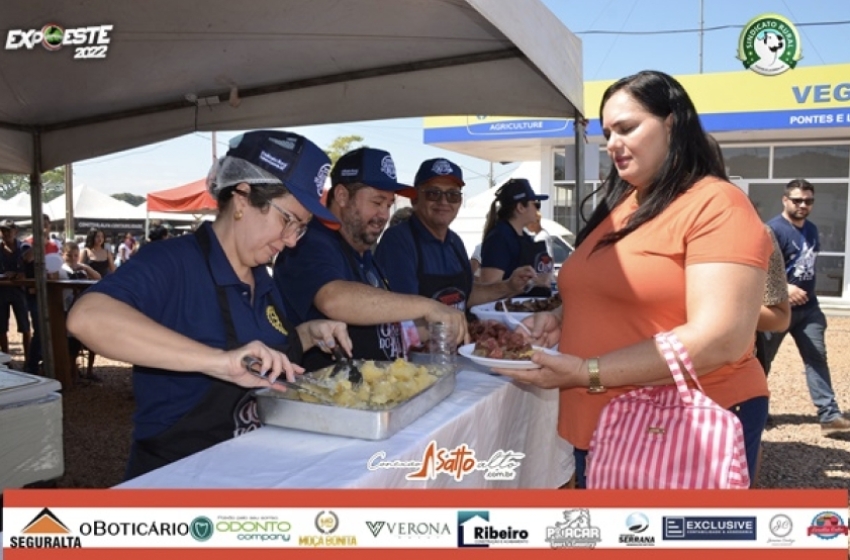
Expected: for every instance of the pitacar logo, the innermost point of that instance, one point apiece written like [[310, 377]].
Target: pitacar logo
[[769, 45]]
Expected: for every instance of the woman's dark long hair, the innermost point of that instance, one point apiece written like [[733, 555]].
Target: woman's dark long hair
[[501, 209], [688, 160], [90, 236]]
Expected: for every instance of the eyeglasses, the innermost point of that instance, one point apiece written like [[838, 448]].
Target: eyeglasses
[[799, 201], [434, 195], [537, 204], [291, 224]]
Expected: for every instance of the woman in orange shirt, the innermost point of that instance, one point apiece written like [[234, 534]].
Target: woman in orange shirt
[[672, 246]]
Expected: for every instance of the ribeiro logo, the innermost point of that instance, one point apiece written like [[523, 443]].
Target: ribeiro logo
[[88, 42]]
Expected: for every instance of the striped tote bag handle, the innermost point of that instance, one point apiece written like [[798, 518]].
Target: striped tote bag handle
[[674, 352]]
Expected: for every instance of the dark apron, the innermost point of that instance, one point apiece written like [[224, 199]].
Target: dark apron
[[370, 342], [535, 254], [226, 410], [451, 289]]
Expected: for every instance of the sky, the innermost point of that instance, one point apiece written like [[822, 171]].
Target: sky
[[618, 47]]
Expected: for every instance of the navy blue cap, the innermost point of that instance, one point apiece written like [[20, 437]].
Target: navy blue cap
[[301, 166], [369, 166], [438, 168], [518, 190]]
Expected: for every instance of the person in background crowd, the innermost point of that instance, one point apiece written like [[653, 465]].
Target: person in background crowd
[[506, 246], [401, 215], [332, 273], [670, 247], [158, 233], [126, 249], [188, 312], [73, 269], [424, 256], [96, 255], [800, 244], [33, 360], [12, 268]]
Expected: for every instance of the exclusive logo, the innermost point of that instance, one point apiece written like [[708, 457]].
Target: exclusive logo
[[89, 42], [769, 45], [45, 531], [457, 462]]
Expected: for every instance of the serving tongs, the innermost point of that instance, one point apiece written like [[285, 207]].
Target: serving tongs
[[254, 367], [346, 366]]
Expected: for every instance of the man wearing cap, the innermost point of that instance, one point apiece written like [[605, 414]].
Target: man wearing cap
[[333, 274], [188, 312], [12, 268], [424, 256], [506, 246]]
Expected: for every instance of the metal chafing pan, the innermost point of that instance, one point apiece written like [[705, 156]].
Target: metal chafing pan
[[284, 410]]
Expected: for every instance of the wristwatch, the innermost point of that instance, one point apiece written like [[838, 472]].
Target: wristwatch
[[595, 386]]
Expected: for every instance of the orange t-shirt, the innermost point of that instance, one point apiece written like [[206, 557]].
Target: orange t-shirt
[[627, 292]]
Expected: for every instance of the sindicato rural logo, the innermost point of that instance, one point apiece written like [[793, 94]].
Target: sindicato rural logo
[[769, 45]]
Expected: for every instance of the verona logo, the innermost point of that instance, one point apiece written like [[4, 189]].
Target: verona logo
[[769, 45], [201, 529]]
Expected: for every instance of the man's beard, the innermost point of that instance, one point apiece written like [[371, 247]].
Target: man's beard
[[357, 228]]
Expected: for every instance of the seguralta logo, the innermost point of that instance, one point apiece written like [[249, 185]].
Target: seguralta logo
[[45, 531], [88, 42], [769, 45]]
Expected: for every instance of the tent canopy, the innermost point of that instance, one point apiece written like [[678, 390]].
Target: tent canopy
[[89, 203], [191, 198], [171, 68]]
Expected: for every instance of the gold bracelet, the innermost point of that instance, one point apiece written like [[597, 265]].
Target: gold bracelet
[[595, 385]]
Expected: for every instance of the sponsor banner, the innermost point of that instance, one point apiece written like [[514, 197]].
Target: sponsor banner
[[56, 529]]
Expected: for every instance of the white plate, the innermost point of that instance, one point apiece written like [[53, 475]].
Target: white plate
[[488, 311], [467, 349], [53, 262]]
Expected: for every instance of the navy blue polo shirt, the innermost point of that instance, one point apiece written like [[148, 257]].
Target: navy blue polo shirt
[[396, 255], [12, 261], [318, 258], [170, 282], [501, 249]]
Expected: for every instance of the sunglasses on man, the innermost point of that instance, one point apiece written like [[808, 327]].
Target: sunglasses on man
[[434, 195], [799, 201]]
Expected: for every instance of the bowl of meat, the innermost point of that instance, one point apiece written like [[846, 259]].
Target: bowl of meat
[[518, 308]]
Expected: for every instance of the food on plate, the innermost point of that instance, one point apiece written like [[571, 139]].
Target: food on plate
[[381, 388], [529, 305], [494, 340]]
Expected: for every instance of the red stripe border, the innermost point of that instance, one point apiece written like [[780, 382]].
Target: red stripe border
[[425, 498]]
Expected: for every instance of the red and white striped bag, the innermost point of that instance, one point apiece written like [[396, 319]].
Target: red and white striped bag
[[668, 437]]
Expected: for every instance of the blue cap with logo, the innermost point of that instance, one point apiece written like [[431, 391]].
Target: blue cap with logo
[[369, 166], [518, 190], [293, 160], [438, 168]]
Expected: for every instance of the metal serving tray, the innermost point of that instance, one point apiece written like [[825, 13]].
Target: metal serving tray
[[277, 409]]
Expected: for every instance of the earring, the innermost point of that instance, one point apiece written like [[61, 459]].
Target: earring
[[238, 215]]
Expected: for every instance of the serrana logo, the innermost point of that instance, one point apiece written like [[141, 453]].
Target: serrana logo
[[769, 45]]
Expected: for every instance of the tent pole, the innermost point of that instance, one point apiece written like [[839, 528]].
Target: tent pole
[[38, 252], [69, 202], [579, 125]]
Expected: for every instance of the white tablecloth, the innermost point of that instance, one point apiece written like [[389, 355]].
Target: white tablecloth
[[488, 413]]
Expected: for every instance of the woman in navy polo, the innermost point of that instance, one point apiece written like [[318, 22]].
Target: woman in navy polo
[[506, 246], [186, 311]]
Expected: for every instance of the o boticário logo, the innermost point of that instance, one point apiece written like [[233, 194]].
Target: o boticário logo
[[769, 45]]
